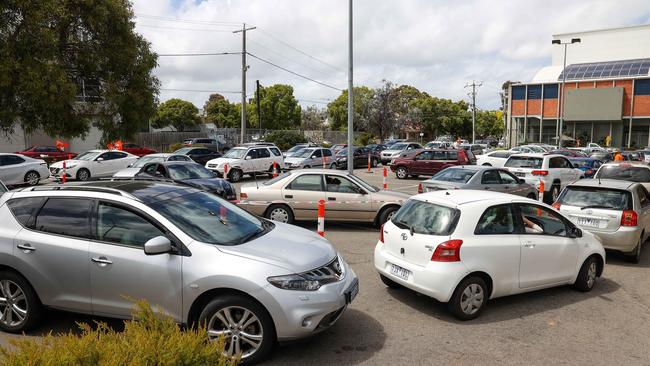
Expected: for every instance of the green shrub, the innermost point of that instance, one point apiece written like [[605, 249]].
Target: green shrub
[[285, 139], [174, 147], [363, 139], [153, 339]]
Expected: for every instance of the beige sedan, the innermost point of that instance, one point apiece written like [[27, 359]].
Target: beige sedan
[[295, 195]]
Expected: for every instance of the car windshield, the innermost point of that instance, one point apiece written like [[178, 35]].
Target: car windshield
[[399, 146], [236, 153], [88, 155], [625, 172], [596, 197], [183, 150], [363, 183], [296, 148], [426, 218], [305, 153], [147, 159], [524, 162], [276, 179], [456, 175], [209, 219], [189, 171]]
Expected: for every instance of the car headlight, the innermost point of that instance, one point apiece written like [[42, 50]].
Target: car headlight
[[294, 282], [68, 166]]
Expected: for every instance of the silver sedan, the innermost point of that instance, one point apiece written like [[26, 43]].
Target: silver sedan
[[478, 177]]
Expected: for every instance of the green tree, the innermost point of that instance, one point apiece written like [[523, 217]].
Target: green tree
[[280, 109], [177, 113], [337, 110], [221, 112], [285, 139], [53, 51], [489, 123]]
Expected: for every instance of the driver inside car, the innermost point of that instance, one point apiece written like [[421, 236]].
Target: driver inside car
[[531, 227]]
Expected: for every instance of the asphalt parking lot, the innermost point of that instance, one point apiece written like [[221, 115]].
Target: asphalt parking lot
[[609, 325]]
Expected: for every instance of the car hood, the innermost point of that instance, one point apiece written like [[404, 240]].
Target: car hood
[[293, 159], [224, 160], [126, 173], [290, 247], [392, 152], [59, 164]]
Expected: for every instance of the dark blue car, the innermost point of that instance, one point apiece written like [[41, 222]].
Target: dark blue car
[[588, 165]]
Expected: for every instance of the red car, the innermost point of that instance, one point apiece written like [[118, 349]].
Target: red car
[[48, 153], [428, 162], [137, 150]]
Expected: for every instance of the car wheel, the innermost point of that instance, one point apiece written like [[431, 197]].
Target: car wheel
[[374, 163], [32, 178], [587, 275], [387, 214], [235, 175], [469, 298], [245, 325], [279, 213], [555, 192], [83, 174], [19, 305], [389, 283], [401, 173], [635, 255]]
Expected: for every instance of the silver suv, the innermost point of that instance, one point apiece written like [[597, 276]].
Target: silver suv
[[93, 248]]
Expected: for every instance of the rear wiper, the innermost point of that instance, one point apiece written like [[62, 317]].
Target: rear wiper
[[402, 225], [597, 206]]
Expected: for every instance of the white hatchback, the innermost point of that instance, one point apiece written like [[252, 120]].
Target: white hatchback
[[465, 247]]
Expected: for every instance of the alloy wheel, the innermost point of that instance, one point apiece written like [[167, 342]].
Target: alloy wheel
[[555, 193], [242, 330], [82, 175], [13, 304], [472, 299], [235, 176], [390, 215], [401, 173], [279, 214], [591, 274], [32, 178]]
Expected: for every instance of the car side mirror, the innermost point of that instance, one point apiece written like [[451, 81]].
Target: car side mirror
[[248, 157], [158, 245], [313, 157], [575, 232], [522, 181], [100, 159]]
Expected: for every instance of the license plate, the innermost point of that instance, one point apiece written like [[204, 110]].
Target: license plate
[[352, 291], [520, 174], [583, 221], [400, 272]]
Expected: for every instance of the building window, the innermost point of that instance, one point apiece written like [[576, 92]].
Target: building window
[[534, 92], [550, 91], [642, 87], [518, 92]]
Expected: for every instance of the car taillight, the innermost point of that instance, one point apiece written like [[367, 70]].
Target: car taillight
[[243, 196], [448, 251], [381, 233], [556, 205], [629, 218], [543, 173], [420, 189]]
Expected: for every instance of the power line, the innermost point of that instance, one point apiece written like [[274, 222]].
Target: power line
[[269, 34], [185, 29], [189, 21], [197, 54], [295, 73], [288, 58]]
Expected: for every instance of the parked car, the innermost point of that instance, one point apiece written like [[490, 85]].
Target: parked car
[[494, 158], [93, 164], [556, 171], [51, 153], [631, 171], [18, 169], [600, 154], [481, 178], [137, 150], [428, 162], [646, 155], [438, 145], [476, 149], [338, 147], [588, 166], [134, 168], [523, 150], [360, 154], [466, 247], [376, 148], [396, 150], [247, 160], [569, 153], [200, 155], [294, 196], [633, 156], [190, 174], [311, 157], [295, 149], [198, 258], [209, 143], [618, 212]]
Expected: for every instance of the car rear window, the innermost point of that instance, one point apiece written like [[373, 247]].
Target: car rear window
[[524, 162], [24, 208], [426, 218], [625, 172], [456, 175], [596, 197]]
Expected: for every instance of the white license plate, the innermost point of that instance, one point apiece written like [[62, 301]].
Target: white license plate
[[588, 222], [400, 272], [520, 174]]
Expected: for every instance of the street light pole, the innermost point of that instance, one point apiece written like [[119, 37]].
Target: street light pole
[[559, 133], [350, 94]]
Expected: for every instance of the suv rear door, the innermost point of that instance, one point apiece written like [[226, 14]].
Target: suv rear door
[[423, 163]]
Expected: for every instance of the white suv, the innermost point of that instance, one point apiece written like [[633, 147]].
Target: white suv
[[555, 170], [247, 160]]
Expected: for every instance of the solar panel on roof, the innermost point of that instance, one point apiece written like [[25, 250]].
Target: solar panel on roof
[[596, 70]]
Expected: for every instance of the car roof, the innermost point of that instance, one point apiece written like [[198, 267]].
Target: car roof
[[147, 191], [476, 167], [183, 162], [628, 162], [533, 155], [605, 183], [465, 196]]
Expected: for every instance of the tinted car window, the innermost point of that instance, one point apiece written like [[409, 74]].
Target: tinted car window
[[426, 218], [556, 163], [490, 177], [263, 153], [11, 160], [457, 175], [307, 182], [120, 226], [439, 155], [64, 216], [276, 151], [524, 162], [642, 194], [327, 152], [253, 154], [625, 172], [496, 220], [596, 197], [425, 155], [452, 155], [178, 158], [118, 155], [507, 178], [24, 208]]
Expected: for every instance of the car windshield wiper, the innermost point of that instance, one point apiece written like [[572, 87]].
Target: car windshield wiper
[[597, 206], [402, 225]]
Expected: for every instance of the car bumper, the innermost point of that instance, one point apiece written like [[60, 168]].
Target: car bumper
[[436, 279], [300, 314], [624, 239]]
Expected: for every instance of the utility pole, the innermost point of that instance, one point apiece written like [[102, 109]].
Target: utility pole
[[244, 68], [350, 94], [259, 109], [472, 94]]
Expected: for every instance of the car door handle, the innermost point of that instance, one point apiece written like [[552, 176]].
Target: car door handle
[[331, 198], [529, 244], [27, 248], [288, 196], [102, 261]]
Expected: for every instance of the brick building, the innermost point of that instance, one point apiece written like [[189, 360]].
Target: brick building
[[607, 91]]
